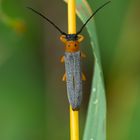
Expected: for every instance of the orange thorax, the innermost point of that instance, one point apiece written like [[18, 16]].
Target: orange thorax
[[72, 46]]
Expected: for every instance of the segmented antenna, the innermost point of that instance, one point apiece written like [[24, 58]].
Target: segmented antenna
[[47, 20], [91, 17]]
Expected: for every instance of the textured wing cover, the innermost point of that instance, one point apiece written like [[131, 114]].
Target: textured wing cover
[[74, 81]]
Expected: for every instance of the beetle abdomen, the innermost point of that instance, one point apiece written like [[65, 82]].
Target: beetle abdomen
[[74, 80]]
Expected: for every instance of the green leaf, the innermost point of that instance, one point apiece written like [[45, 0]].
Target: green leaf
[[95, 128]]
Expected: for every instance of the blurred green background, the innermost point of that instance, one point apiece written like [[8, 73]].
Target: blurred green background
[[33, 101]]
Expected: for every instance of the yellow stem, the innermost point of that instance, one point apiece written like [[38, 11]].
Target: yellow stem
[[74, 124], [74, 115], [71, 16]]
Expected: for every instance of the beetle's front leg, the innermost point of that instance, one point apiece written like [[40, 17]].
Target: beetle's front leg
[[62, 59], [64, 77], [83, 55]]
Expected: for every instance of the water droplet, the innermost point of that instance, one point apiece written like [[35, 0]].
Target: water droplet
[[95, 102], [91, 139], [94, 89]]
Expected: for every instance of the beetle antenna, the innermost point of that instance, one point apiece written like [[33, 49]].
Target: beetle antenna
[[47, 20], [92, 16]]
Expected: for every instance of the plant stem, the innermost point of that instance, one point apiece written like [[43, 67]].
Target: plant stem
[[71, 16], [74, 115], [74, 124]]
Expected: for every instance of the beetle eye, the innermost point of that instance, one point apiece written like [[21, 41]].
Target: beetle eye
[[75, 45], [68, 45]]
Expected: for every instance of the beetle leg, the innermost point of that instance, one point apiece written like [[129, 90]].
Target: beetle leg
[[64, 77], [83, 77], [83, 55], [80, 38], [63, 38], [62, 59]]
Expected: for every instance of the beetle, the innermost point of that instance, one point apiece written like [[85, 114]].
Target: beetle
[[72, 58]]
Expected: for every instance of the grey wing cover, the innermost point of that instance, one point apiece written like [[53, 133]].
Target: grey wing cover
[[74, 81]]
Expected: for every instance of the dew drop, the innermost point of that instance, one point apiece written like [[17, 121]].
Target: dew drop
[[95, 102], [94, 89]]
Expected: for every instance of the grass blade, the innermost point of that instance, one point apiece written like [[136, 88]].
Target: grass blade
[[96, 117]]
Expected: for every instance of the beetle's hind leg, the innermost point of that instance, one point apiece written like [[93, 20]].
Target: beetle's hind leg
[[83, 77]]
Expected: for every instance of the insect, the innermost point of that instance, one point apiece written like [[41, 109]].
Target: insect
[[72, 58]]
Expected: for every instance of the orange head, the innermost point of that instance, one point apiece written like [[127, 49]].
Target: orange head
[[72, 44]]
